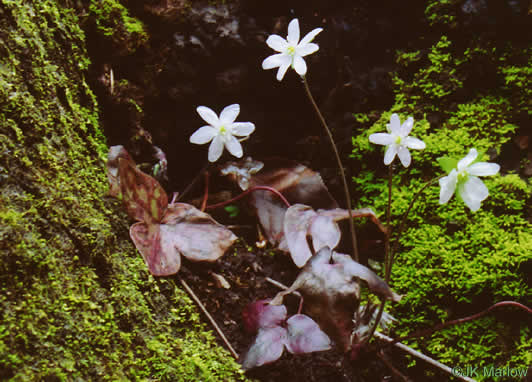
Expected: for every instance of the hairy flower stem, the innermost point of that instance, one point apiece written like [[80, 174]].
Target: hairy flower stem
[[264, 188], [340, 166], [403, 222], [387, 254]]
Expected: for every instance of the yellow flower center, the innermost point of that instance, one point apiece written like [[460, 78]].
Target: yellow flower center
[[398, 140], [223, 130], [462, 177], [291, 50]]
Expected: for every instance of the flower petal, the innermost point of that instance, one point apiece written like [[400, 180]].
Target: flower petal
[[310, 36], [473, 191], [406, 127], [404, 156], [300, 66], [234, 147], [448, 186], [282, 69], [390, 154], [203, 135], [381, 138], [293, 32], [208, 115], [414, 143], [216, 148], [395, 124], [467, 160], [483, 169], [243, 129], [305, 50], [229, 114], [273, 61], [277, 43]]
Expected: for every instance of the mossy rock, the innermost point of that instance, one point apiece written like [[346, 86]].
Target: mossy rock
[[453, 262], [76, 300]]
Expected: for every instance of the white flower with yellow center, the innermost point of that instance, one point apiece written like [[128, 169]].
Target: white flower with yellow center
[[397, 140], [464, 177], [222, 131], [291, 51]]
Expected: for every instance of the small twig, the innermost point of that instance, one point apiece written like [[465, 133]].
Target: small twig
[[206, 192], [340, 166], [425, 358], [211, 319], [255, 188], [282, 286], [392, 368]]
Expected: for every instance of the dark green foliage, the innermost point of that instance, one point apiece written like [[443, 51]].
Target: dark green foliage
[[452, 262], [76, 300]]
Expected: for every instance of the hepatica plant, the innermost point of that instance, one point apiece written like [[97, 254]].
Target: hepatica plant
[[331, 281], [275, 331]]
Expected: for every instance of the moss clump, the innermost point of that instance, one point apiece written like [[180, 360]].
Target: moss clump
[[76, 301], [113, 21], [452, 262]]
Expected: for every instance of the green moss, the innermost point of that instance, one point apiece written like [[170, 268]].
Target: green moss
[[76, 300], [114, 22], [452, 262]]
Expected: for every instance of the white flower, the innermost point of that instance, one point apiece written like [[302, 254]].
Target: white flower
[[470, 188], [221, 131], [397, 140], [291, 51]]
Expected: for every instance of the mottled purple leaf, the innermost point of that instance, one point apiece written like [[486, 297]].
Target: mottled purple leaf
[[260, 314], [195, 234], [143, 196], [305, 336], [268, 347], [161, 257]]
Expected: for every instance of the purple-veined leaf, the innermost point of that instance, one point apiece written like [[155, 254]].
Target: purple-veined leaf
[[268, 347], [143, 196], [195, 234], [160, 256], [260, 314], [305, 336], [184, 230]]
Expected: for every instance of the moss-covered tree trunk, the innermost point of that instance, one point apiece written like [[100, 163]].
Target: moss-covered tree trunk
[[76, 301]]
